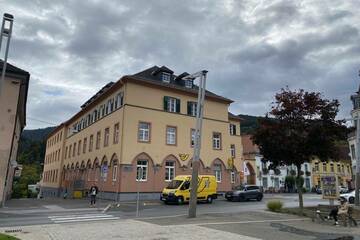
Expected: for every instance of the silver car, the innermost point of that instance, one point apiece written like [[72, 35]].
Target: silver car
[[244, 193]]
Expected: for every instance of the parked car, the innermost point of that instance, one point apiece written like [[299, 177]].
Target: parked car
[[244, 192], [350, 197], [343, 190]]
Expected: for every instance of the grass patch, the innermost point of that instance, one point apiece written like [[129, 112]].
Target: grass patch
[[7, 237], [275, 205]]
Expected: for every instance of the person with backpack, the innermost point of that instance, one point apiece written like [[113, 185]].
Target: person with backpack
[[93, 192]]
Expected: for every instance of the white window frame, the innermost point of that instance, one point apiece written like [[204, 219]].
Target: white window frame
[[192, 137], [169, 171], [217, 172], [171, 135], [114, 172], [116, 133], [232, 177], [171, 105], [188, 83], [165, 77], [106, 137], [140, 165], [144, 133], [217, 141], [119, 100], [232, 150], [232, 126], [193, 109]]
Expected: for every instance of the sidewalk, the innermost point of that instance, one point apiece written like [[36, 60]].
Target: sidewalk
[[245, 226], [123, 229]]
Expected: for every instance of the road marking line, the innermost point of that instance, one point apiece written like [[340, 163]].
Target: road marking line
[[86, 220], [75, 215], [81, 217], [159, 217], [245, 222]]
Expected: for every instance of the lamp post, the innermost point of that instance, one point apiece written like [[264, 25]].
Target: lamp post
[[6, 30], [197, 144]]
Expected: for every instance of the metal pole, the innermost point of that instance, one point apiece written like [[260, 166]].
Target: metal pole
[[357, 177], [5, 32], [197, 147], [138, 193]]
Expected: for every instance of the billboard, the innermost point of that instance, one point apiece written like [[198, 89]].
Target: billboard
[[329, 186]]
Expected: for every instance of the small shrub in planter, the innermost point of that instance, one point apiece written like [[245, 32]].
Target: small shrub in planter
[[275, 205]]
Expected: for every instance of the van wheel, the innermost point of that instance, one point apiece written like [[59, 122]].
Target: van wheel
[[209, 199], [180, 200], [351, 200]]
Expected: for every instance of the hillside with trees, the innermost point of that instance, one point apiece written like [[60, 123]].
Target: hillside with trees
[[31, 156], [249, 124]]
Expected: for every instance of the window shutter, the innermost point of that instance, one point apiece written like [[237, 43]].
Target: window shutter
[[166, 100], [177, 105], [189, 108]]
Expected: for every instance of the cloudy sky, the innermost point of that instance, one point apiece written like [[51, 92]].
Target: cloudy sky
[[251, 48]]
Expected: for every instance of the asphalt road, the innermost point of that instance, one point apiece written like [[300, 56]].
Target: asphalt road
[[38, 212]]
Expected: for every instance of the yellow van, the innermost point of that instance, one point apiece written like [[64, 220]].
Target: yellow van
[[179, 189]]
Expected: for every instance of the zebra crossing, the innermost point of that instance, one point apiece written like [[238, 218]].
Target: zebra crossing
[[81, 218]]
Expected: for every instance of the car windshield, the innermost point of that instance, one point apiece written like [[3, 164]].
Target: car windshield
[[174, 184], [239, 188]]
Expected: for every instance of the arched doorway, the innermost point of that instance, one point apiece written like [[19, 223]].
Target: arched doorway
[[251, 177]]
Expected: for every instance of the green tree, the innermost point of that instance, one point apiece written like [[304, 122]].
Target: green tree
[[29, 175], [300, 125]]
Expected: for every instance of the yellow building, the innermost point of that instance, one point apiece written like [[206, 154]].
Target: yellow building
[[142, 127], [341, 168]]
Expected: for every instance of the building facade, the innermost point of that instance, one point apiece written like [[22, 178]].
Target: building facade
[[341, 168], [261, 173], [355, 113], [138, 134], [13, 98]]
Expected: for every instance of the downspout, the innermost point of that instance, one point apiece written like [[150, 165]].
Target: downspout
[[122, 143]]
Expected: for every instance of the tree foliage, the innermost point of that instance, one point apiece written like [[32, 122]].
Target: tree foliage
[[299, 126], [31, 157]]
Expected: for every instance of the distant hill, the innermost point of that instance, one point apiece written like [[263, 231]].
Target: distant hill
[[249, 124], [37, 134]]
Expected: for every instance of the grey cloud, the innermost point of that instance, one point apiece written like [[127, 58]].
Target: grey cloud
[[251, 49]]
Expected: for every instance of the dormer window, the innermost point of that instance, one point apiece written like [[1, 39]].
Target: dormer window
[[165, 77], [188, 83]]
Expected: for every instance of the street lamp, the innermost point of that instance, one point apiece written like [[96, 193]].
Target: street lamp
[[6, 30], [197, 144]]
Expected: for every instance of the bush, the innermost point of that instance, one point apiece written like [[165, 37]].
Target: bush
[[275, 205]]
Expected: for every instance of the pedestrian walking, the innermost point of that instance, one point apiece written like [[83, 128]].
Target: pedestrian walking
[[93, 192]]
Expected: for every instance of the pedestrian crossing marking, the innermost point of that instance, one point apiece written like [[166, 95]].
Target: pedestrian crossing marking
[[81, 218]]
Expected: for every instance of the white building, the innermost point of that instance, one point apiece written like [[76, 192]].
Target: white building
[[352, 136]]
